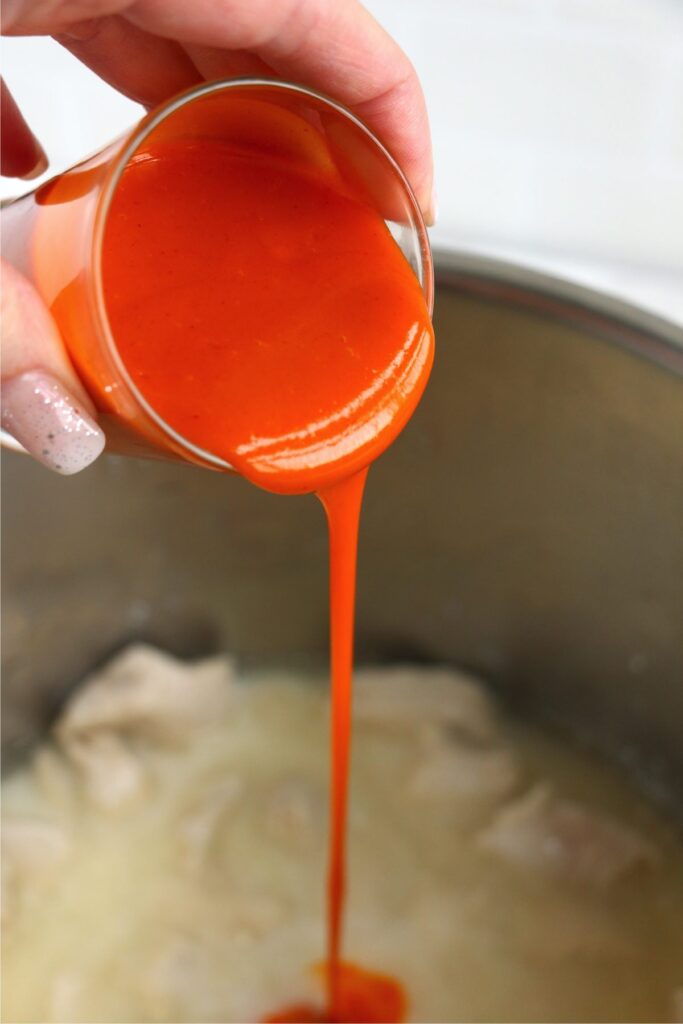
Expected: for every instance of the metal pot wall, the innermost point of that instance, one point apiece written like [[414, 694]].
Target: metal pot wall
[[528, 525]]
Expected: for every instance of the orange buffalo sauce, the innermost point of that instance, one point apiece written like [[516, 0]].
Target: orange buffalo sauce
[[360, 996], [272, 320]]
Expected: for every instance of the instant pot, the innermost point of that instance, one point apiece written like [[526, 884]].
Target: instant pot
[[527, 526]]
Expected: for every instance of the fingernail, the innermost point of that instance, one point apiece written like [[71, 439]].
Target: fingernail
[[39, 413], [433, 210], [39, 167]]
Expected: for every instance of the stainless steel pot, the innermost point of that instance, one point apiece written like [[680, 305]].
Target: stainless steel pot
[[528, 525]]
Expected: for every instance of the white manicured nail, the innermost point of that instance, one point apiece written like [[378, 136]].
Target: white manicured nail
[[53, 427]]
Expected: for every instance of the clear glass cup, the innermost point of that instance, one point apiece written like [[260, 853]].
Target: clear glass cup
[[55, 235]]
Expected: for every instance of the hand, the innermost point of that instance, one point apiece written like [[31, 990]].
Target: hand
[[149, 50]]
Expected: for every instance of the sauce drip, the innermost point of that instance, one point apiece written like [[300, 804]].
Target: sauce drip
[[274, 322], [360, 996]]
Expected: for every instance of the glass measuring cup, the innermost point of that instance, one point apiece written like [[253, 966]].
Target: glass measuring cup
[[56, 235]]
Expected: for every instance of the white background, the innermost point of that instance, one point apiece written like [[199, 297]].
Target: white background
[[557, 125]]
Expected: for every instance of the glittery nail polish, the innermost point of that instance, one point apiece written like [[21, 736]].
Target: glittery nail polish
[[50, 423]]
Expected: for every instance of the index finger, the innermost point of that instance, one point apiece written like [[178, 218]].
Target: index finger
[[22, 155], [332, 45]]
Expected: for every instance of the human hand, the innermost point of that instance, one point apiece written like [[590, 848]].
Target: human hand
[[149, 50]]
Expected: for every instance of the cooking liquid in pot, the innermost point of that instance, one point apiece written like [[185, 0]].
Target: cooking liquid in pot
[[273, 321]]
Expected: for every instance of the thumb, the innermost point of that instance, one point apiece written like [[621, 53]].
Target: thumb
[[44, 405]]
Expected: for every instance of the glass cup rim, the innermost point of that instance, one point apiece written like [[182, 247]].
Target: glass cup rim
[[111, 181]]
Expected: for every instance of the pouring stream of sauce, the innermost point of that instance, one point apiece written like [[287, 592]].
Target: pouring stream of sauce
[[273, 321], [342, 504]]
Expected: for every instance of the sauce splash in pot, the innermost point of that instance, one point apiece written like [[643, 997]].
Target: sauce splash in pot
[[273, 321], [359, 995]]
